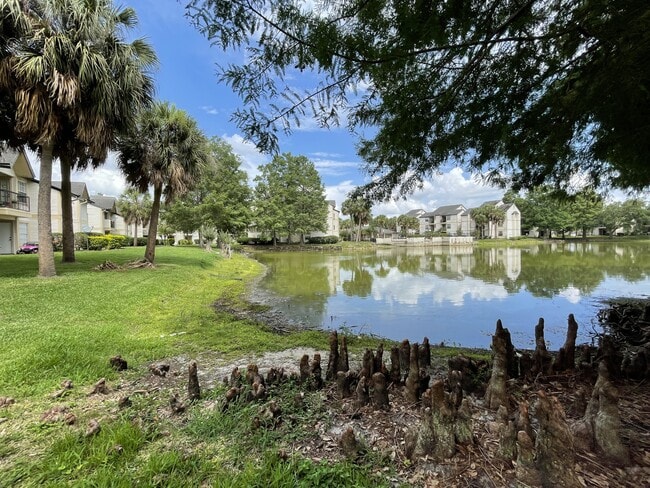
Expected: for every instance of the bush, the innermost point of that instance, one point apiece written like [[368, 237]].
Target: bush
[[142, 241], [323, 240], [80, 240], [264, 241], [57, 241], [107, 241], [185, 242]]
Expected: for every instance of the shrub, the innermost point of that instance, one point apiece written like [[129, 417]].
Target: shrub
[[142, 241], [57, 241], [323, 240], [80, 240], [262, 240], [184, 242], [106, 241]]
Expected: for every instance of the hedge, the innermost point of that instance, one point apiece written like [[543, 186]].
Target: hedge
[[107, 241]]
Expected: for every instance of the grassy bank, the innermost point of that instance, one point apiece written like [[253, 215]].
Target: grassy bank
[[69, 326]]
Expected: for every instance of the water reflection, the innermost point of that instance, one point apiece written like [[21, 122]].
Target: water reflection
[[455, 295]]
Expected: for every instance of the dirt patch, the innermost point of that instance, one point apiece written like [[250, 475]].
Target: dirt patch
[[385, 431]]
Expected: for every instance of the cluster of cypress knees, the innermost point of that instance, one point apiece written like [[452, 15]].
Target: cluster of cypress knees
[[544, 455]]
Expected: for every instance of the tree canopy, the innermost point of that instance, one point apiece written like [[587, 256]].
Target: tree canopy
[[289, 197], [221, 198], [166, 151], [69, 82], [359, 210], [135, 208], [524, 92]]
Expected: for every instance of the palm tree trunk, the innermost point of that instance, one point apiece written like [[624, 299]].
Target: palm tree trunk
[[135, 233], [66, 209], [150, 252], [46, 266], [359, 232]]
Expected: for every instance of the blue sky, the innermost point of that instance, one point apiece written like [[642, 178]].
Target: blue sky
[[187, 77]]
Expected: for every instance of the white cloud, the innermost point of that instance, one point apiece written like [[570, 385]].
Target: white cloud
[[410, 289], [330, 167], [210, 110], [251, 157], [325, 155], [443, 189], [571, 294], [339, 192], [106, 179]]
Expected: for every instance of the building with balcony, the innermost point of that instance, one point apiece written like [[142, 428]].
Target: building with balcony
[[18, 198]]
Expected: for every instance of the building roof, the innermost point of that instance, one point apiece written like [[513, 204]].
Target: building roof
[[449, 210], [104, 202], [78, 188], [10, 159], [418, 212], [491, 202], [7, 157]]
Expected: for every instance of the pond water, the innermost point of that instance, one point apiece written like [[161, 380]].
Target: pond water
[[455, 295]]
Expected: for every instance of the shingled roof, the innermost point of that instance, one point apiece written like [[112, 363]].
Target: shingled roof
[[105, 203], [449, 210]]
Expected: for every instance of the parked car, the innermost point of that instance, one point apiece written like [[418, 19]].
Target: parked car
[[28, 248]]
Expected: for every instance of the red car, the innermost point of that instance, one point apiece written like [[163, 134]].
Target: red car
[[28, 248]]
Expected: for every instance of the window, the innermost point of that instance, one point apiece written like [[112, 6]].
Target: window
[[22, 188]]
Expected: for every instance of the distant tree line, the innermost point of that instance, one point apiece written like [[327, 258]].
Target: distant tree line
[[580, 214], [549, 212]]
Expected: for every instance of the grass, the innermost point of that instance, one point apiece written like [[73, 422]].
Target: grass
[[67, 327]]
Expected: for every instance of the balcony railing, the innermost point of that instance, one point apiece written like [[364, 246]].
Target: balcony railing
[[11, 199]]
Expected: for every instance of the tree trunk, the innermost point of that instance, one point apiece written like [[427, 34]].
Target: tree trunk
[[359, 232], [150, 252], [135, 233], [66, 209], [46, 266]]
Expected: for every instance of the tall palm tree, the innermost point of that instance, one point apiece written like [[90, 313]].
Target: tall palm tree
[[359, 210], [166, 151], [135, 208], [75, 84]]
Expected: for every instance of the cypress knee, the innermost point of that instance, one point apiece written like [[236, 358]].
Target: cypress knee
[[333, 361], [405, 356], [395, 374], [343, 362], [193, 388], [413, 391], [379, 391], [496, 393]]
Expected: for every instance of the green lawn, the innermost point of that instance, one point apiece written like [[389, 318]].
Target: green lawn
[[69, 326]]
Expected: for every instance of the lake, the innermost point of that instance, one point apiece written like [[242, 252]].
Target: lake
[[455, 295]]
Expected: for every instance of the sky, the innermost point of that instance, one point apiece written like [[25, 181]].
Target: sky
[[187, 76]]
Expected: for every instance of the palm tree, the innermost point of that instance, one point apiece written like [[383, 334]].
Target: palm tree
[[135, 208], [359, 211], [166, 151], [75, 84]]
